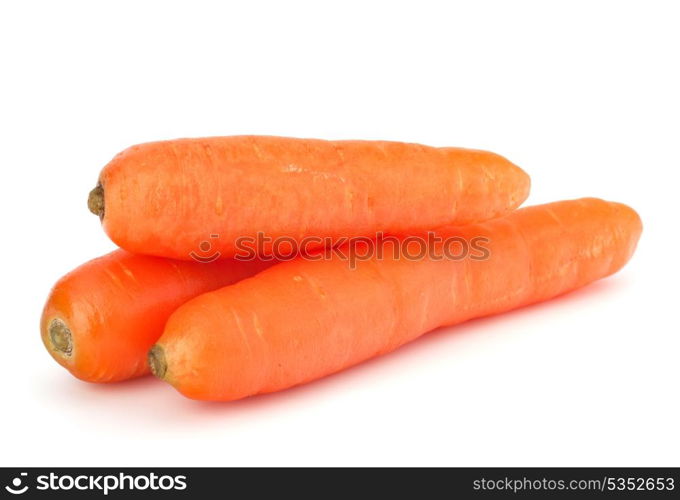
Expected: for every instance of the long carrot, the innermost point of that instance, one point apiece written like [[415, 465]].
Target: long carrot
[[167, 198], [101, 319], [301, 320]]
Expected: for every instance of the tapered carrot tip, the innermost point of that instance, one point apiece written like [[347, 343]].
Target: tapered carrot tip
[[60, 337], [157, 362], [95, 201]]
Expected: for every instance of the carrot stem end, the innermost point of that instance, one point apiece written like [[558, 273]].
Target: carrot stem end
[[157, 362], [95, 201], [61, 337]]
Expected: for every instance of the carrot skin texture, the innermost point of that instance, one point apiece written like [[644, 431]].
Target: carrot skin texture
[[302, 320], [115, 307], [180, 192]]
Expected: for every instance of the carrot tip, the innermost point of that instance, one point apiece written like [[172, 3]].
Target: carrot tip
[[157, 362], [95, 201], [60, 337]]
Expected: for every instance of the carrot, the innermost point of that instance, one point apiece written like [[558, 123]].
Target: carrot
[[166, 198], [101, 319], [302, 320]]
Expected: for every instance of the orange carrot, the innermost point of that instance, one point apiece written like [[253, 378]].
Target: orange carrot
[[166, 198], [302, 320], [101, 319]]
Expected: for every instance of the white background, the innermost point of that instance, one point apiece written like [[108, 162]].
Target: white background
[[583, 95]]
